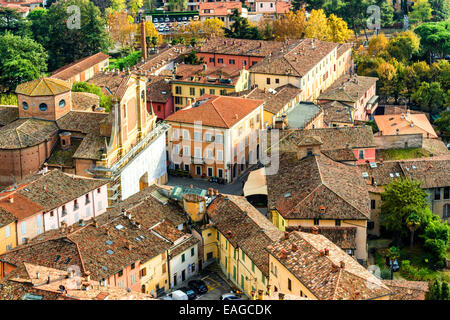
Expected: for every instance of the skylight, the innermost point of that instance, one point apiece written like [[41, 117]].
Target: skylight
[[391, 175], [119, 227], [373, 165], [287, 195], [109, 242], [109, 251], [365, 174]]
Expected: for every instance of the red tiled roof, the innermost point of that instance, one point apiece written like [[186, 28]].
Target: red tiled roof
[[217, 111], [68, 71], [21, 207], [219, 8]]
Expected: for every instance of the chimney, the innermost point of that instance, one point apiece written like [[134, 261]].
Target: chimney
[[286, 235], [322, 209], [294, 247], [229, 233], [315, 230], [129, 245], [11, 198], [48, 279], [64, 139], [357, 295], [87, 276], [334, 267], [283, 254], [281, 296], [327, 252], [38, 275], [143, 41], [342, 264]]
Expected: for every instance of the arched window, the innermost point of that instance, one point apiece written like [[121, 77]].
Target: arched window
[[43, 107], [25, 105]]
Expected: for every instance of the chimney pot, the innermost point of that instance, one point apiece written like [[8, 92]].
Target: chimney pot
[[38, 275], [283, 254], [286, 235], [315, 230], [327, 252], [342, 264], [11, 199], [294, 247]]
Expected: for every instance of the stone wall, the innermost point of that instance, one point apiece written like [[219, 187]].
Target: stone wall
[[399, 141]]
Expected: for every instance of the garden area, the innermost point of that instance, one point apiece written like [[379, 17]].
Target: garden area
[[415, 241], [400, 154]]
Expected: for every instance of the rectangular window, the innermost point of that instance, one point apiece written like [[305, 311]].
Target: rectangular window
[[277, 80], [192, 252], [253, 267], [38, 221], [202, 91], [223, 92], [185, 134], [220, 173], [219, 138], [210, 172], [316, 221], [192, 91], [120, 273], [263, 279], [243, 256], [198, 170], [99, 205], [178, 90], [133, 265], [337, 222], [289, 284], [209, 154], [133, 278], [87, 200], [211, 60], [361, 154], [373, 204], [198, 152], [212, 91], [437, 194], [178, 100], [231, 61], [242, 281], [268, 80], [244, 63], [183, 258], [75, 205], [24, 228], [7, 231], [219, 155], [218, 236], [208, 137], [220, 60], [447, 193], [143, 272], [186, 151], [163, 268], [197, 136]]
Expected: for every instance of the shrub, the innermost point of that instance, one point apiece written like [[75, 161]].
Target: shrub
[[105, 101], [8, 99]]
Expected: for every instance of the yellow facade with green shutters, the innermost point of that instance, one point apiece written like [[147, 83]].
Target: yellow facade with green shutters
[[185, 92], [239, 268]]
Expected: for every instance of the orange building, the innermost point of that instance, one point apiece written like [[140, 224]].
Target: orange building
[[217, 136]]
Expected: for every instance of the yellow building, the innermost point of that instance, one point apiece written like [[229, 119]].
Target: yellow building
[[241, 236], [309, 65], [325, 194], [8, 234], [311, 266], [217, 136], [276, 101], [154, 275], [192, 81]]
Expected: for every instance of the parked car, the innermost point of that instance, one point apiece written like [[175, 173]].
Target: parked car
[[189, 292], [184, 19], [155, 20], [229, 296], [167, 29], [176, 295], [198, 286], [161, 29], [167, 20]]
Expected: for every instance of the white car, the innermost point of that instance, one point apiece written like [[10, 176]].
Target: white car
[[176, 295]]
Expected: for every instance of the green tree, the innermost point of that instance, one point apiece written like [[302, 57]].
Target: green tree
[[91, 38], [429, 97], [297, 4], [435, 291], [241, 29], [443, 122], [445, 293], [436, 235], [435, 38], [178, 5], [22, 59], [393, 254], [12, 21], [400, 198], [413, 223], [105, 101], [403, 46], [192, 58], [441, 9], [421, 12]]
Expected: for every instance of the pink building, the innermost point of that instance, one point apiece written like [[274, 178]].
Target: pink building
[[45, 200]]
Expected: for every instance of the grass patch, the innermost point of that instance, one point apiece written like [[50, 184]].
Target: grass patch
[[400, 154], [64, 157]]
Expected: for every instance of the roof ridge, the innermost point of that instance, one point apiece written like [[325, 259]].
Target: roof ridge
[[220, 115]]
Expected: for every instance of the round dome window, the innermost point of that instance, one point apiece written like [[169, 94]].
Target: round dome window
[[62, 103], [43, 107], [25, 105]]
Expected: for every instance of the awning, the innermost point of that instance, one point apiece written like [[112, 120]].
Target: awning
[[256, 183]]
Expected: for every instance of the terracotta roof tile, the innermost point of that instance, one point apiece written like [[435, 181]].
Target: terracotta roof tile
[[302, 187], [68, 71], [219, 8], [250, 231], [44, 87], [336, 111], [405, 124], [343, 237], [348, 89], [6, 217], [217, 111], [218, 75], [8, 114], [158, 89], [297, 59], [241, 47], [314, 270], [407, 290], [23, 133]]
